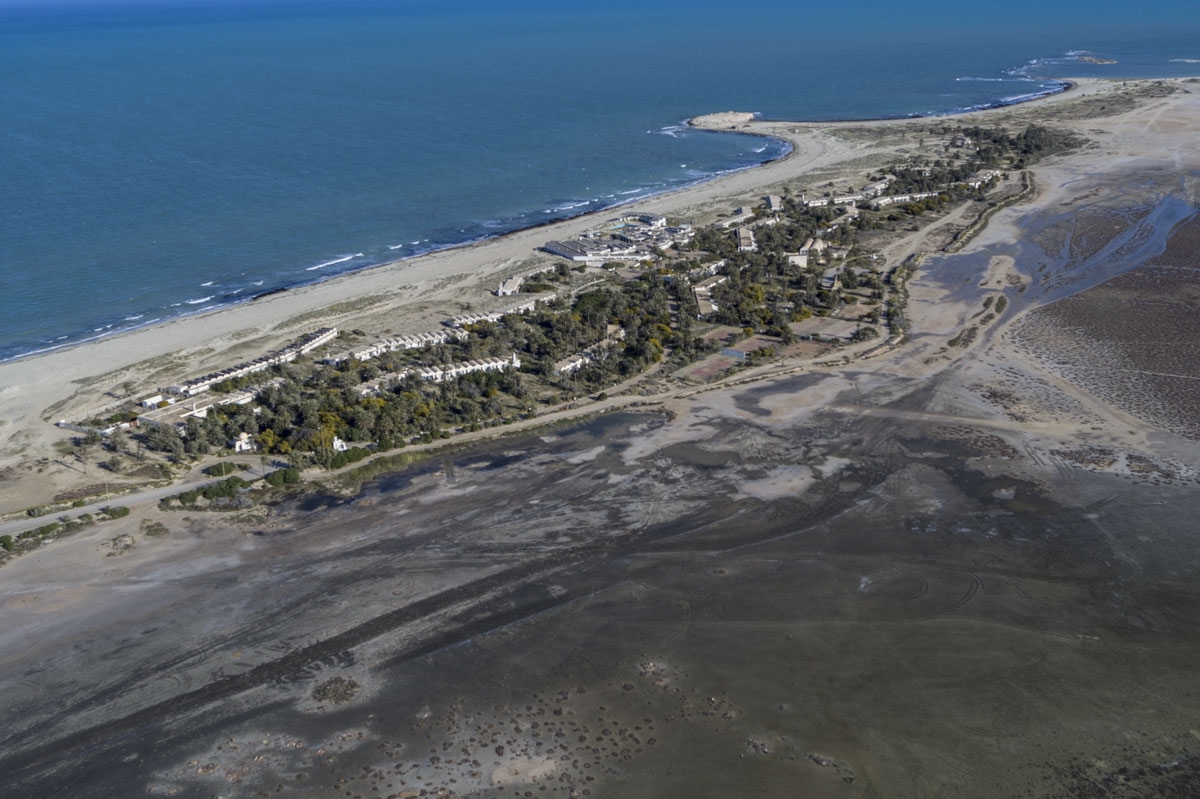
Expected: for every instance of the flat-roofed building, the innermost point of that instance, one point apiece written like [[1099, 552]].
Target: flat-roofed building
[[745, 240]]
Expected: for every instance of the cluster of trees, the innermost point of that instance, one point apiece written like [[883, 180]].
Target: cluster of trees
[[640, 308], [795, 226], [764, 291], [306, 415], [203, 436], [935, 203], [312, 405], [302, 414], [226, 490], [995, 146], [913, 180], [282, 477]]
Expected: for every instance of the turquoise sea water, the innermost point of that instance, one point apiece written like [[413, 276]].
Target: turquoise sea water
[[161, 158]]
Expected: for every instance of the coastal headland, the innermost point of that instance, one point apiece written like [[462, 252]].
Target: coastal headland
[[954, 560]]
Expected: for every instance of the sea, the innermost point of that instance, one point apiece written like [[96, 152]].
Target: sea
[[162, 158]]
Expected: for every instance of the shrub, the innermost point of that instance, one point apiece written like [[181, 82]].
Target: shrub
[[115, 511], [281, 477], [225, 488], [220, 469], [6, 541]]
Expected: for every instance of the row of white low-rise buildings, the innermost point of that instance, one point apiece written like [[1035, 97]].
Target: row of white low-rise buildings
[[869, 192], [449, 371], [443, 372], [385, 345], [883, 202], [301, 346], [528, 305]]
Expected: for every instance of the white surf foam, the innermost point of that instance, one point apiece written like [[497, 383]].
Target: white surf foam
[[341, 260]]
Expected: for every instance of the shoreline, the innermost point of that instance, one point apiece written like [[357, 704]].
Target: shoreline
[[1067, 85], [402, 297], [397, 262]]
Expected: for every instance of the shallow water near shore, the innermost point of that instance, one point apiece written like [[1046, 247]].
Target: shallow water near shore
[[165, 163]]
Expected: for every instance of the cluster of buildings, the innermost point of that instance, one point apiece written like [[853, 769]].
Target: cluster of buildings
[[976, 182], [462, 320], [868, 193], [874, 193], [632, 237], [702, 291], [982, 178], [174, 412], [413, 342], [574, 363], [289, 353], [442, 373], [883, 202], [449, 371]]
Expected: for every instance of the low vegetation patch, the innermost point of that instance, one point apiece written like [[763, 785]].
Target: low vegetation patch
[[336, 690]]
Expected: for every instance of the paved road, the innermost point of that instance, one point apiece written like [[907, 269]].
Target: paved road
[[137, 499]]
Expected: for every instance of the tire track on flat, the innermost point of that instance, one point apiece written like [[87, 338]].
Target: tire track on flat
[[462, 600]]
